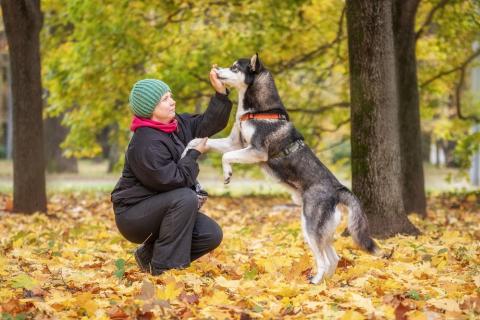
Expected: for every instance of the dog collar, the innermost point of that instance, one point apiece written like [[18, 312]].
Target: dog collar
[[291, 148], [263, 116]]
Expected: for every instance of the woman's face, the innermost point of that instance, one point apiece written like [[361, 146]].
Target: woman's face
[[165, 110]]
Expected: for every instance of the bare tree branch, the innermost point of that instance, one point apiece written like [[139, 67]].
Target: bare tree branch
[[429, 18], [321, 109], [200, 78], [335, 129], [284, 65], [171, 18], [317, 131], [339, 143], [458, 96], [458, 68], [474, 19], [197, 95]]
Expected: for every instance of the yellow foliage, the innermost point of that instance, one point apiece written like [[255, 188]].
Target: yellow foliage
[[62, 265]]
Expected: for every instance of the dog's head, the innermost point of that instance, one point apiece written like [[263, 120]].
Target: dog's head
[[242, 73]]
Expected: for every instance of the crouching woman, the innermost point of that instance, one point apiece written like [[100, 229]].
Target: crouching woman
[[156, 200]]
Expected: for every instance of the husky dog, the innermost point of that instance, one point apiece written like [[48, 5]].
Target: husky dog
[[262, 133]]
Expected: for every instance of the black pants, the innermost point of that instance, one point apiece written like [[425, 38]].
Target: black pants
[[171, 222]]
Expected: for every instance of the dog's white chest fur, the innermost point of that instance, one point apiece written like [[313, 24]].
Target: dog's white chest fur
[[247, 129]]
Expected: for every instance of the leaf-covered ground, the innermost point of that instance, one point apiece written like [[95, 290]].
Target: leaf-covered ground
[[72, 263]]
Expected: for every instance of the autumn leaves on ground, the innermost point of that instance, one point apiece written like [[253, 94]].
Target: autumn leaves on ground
[[72, 263]]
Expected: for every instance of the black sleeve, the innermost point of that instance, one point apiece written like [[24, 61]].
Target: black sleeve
[[156, 169], [213, 120]]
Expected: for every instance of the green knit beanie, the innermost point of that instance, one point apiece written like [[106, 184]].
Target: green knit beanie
[[145, 96]]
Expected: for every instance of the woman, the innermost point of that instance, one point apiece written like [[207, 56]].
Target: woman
[[155, 201]]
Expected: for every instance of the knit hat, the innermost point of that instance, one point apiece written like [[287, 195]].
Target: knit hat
[[145, 96]]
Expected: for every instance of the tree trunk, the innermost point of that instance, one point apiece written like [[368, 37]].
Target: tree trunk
[[23, 21], [110, 149], [9, 142], [55, 133], [376, 169], [413, 183]]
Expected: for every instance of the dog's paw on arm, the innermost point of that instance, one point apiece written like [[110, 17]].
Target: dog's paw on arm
[[192, 144]]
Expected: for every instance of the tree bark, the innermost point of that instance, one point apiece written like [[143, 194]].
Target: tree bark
[[23, 21], [55, 133], [413, 182], [376, 169]]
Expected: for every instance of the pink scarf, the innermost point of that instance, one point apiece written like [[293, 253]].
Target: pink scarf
[[138, 122]]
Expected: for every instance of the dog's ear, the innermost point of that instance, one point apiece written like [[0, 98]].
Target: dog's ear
[[255, 63]]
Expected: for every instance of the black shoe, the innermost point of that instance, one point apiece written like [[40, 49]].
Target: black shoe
[[143, 257], [156, 271]]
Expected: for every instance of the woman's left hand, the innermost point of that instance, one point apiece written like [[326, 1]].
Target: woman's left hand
[[216, 83]]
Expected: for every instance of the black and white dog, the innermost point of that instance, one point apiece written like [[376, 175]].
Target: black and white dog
[[262, 133]]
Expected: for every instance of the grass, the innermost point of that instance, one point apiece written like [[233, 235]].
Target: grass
[[247, 180]]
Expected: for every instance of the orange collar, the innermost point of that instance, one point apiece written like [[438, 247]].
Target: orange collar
[[263, 116]]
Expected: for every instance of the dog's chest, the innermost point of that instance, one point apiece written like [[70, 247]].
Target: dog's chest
[[247, 129]]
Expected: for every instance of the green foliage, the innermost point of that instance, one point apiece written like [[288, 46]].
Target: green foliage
[[444, 47], [23, 281], [120, 268], [93, 52]]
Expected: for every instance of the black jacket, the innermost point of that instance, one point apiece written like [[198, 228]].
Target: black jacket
[[152, 160]]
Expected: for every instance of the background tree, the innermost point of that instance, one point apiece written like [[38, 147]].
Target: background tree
[[446, 32], [376, 170], [93, 53], [23, 21], [412, 176], [55, 134], [302, 42]]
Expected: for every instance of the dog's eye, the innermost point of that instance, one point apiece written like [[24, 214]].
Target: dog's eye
[[234, 68]]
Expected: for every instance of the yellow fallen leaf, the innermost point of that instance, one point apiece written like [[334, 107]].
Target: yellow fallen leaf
[[352, 315], [218, 298], [284, 290], [44, 307], [471, 198], [229, 284], [416, 315], [23, 281], [476, 280], [85, 301], [445, 304], [169, 292]]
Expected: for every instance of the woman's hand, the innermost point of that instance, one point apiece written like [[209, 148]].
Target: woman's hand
[[216, 83], [202, 146]]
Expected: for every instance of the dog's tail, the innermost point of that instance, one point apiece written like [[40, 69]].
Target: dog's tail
[[357, 221]]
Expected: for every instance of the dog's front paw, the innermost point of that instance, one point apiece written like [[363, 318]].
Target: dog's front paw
[[192, 144], [184, 153], [227, 173]]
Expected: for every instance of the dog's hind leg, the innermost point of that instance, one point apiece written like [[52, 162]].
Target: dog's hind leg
[[315, 244], [329, 249], [333, 258]]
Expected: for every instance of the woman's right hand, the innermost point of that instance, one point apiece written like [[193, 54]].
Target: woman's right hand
[[202, 146], [216, 83]]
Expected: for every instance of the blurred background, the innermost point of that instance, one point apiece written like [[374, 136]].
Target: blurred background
[[92, 52]]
